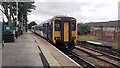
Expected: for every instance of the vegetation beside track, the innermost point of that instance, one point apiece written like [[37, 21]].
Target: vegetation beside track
[[96, 38], [116, 44], [87, 37]]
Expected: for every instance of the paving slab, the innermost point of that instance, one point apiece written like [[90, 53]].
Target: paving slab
[[0, 45], [0, 56], [23, 52], [53, 54], [50, 59]]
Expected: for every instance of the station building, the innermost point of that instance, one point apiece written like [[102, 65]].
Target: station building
[[109, 31]]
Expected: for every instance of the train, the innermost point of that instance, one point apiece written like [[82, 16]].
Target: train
[[60, 30]]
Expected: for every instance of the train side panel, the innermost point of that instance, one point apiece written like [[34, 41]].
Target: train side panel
[[49, 31], [74, 30]]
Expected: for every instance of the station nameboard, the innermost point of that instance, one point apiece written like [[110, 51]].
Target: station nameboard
[[16, 0]]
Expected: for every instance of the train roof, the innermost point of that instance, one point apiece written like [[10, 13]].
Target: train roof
[[58, 16], [45, 22], [62, 16]]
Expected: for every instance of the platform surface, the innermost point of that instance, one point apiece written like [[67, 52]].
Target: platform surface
[[54, 56], [23, 52], [27, 49], [0, 56]]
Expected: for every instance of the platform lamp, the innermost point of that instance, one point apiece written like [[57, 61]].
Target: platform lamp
[[2, 26], [23, 24], [3, 32]]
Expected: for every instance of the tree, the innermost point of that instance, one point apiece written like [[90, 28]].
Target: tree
[[24, 9], [10, 10], [31, 24], [83, 29], [7, 6]]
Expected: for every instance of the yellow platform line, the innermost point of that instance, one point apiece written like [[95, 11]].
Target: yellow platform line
[[1, 45]]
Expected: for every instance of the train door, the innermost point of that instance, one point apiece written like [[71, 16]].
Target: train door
[[66, 31]]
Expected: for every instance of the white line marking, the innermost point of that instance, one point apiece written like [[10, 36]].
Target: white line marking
[[63, 54], [94, 42]]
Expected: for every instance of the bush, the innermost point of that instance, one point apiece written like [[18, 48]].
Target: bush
[[87, 37], [8, 31]]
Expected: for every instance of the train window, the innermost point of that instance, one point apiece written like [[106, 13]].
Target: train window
[[57, 25], [73, 26]]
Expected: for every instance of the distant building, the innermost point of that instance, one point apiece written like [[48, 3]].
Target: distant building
[[109, 31]]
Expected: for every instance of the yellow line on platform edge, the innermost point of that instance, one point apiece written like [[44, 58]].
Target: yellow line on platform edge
[[0, 45]]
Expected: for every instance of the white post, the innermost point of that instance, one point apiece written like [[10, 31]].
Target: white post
[[17, 11]]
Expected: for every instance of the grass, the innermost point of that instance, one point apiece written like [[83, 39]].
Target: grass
[[115, 44], [94, 38], [87, 37]]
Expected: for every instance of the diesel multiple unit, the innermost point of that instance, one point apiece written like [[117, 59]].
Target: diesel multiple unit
[[60, 30]]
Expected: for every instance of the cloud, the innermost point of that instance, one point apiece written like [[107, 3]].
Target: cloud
[[89, 10]]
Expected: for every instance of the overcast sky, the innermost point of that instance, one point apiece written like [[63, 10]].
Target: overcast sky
[[82, 10]]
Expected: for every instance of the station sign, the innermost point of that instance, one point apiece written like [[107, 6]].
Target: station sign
[[16, 0]]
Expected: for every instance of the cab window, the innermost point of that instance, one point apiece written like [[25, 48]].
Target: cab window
[[57, 25], [73, 26]]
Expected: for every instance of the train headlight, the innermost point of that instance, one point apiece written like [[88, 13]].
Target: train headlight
[[57, 38], [73, 38]]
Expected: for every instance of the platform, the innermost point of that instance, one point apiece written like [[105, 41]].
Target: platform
[[54, 56], [0, 56], [31, 50], [23, 52]]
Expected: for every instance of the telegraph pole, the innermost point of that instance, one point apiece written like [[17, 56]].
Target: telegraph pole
[[17, 12]]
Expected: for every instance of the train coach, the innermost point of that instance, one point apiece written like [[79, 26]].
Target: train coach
[[60, 30]]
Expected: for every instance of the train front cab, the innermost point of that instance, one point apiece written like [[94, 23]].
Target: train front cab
[[65, 32]]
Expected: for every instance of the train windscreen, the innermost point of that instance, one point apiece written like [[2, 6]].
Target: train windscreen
[[73, 26], [57, 25]]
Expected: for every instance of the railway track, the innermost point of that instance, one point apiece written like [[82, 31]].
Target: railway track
[[105, 54], [90, 58], [96, 58], [111, 51], [80, 60]]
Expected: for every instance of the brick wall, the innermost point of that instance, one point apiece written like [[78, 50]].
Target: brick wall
[[107, 35]]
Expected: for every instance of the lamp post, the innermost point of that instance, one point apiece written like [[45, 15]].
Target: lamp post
[[23, 23], [2, 30], [3, 33], [16, 30]]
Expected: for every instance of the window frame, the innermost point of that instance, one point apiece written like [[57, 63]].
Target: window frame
[[73, 29], [56, 28]]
